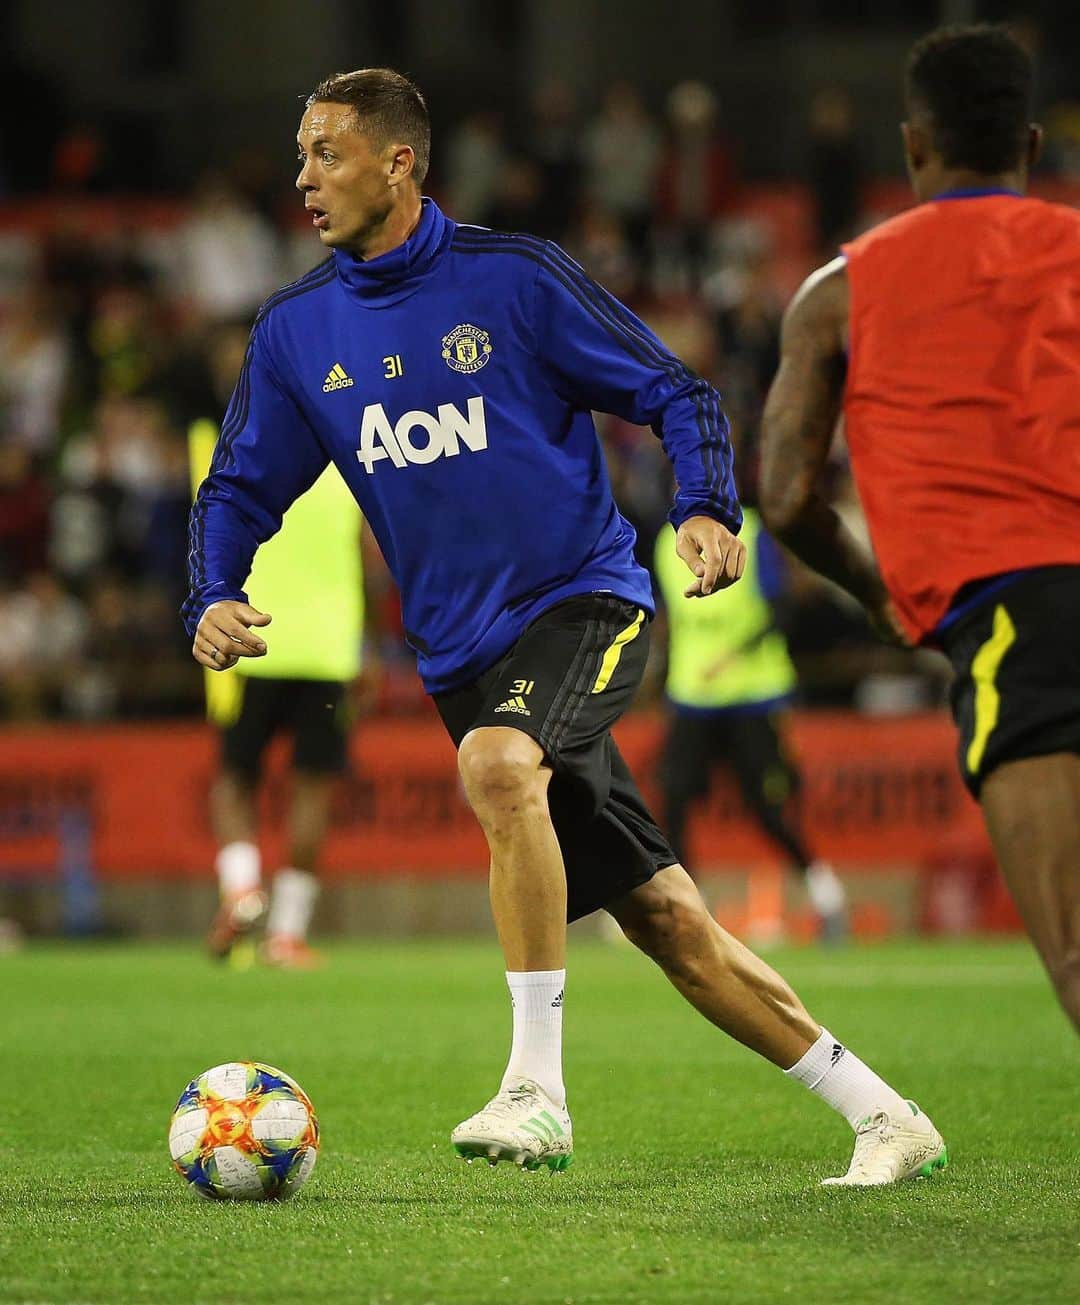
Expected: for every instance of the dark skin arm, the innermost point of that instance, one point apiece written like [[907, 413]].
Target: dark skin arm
[[800, 417]]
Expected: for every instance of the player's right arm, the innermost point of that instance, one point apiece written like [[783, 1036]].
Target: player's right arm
[[601, 357], [266, 457], [801, 413]]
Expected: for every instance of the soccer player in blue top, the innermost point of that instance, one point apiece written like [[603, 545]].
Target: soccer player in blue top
[[450, 373]]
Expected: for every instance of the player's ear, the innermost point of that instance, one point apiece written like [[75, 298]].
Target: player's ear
[[1034, 144], [402, 162], [913, 135]]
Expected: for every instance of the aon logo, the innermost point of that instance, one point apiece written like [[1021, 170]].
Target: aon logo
[[420, 437]]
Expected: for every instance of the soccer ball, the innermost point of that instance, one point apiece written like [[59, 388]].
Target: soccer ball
[[244, 1132]]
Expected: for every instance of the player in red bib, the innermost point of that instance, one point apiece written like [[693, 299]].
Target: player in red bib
[[950, 339]]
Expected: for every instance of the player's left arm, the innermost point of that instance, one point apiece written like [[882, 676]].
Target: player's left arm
[[601, 357], [801, 413]]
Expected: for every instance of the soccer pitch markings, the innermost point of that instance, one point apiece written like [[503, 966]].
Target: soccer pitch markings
[[697, 1165]]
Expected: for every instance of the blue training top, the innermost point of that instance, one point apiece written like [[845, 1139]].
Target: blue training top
[[452, 382]]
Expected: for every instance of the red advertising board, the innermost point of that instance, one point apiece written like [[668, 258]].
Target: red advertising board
[[877, 792]]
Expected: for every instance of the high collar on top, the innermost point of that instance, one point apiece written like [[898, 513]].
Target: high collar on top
[[399, 273], [977, 192]]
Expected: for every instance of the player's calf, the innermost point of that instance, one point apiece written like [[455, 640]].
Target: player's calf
[[734, 989], [739, 993]]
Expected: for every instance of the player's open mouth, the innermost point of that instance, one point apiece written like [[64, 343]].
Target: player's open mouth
[[319, 218]]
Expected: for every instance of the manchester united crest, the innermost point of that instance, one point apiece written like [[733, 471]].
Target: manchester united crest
[[467, 348]]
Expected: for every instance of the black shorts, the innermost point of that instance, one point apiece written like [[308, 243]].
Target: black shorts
[[750, 742], [1017, 663], [315, 712], [565, 682]]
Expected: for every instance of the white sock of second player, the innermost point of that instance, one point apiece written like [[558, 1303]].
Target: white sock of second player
[[238, 867], [292, 903], [841, 1079], [536, 1051]]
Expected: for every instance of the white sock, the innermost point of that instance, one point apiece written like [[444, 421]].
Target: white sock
[[536, 1052], [292, 902], [840, 1078], [823, 887], [239, 867]]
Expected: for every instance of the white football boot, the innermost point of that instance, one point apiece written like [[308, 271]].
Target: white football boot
[[890, 1146], [521, 1124]]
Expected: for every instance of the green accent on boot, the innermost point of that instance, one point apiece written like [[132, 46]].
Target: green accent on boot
[[556, 1163], [549, 1119], [942, 1162]]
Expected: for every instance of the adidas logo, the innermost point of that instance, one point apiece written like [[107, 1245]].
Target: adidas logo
[[337, 378], [544, 1127], [559, 999], [516, 705], [837, 1052]]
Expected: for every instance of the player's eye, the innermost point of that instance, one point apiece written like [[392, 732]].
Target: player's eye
[[327, 157]]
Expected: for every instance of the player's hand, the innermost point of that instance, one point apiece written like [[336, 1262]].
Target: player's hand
[[712, 552], [224, 636]]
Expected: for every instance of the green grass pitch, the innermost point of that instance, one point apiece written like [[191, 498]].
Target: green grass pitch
[[696, 1167]]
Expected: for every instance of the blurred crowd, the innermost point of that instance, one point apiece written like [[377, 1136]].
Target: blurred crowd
[[117, 333]]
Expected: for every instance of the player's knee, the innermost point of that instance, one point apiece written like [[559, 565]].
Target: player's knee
[[500, 769]]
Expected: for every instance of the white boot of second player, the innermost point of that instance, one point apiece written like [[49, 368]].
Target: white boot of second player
[[522, 1124], [891, 1145]]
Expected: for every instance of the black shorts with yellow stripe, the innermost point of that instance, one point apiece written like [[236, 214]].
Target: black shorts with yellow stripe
[[565, 683], [253, 709], [1017, 663]]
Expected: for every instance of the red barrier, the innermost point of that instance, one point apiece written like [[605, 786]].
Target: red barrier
[[877, 792]]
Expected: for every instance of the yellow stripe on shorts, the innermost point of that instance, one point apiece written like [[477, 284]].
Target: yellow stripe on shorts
[[984, 669], [224, 696], [614, 652]]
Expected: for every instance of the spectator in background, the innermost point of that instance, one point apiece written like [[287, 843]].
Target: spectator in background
[[123, 501], [16, 646], [697, 177], [622, 155], [599, 243], [475, 158], [111, 664], [35, 357], [24, 511], [748, 312], [519, 203], [553, 142], [230, 254], [125, 344], [44, 631], [834, 167]]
